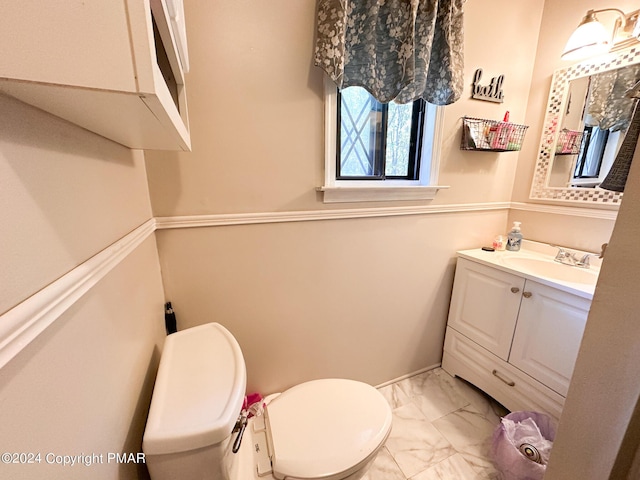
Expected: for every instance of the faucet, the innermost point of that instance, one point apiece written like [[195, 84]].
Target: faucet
[[571, 258], [565, 257], [584, 261]]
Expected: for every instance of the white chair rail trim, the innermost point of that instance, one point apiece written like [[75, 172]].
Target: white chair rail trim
[[24, 322], [218, 220], [598, 213]]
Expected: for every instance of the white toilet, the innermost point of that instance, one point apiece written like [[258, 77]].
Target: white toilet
[[329, 429]]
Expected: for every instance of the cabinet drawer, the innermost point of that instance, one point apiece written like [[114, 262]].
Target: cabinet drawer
[[508, 385]]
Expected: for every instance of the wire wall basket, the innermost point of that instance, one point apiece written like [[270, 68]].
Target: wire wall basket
[[491, 136], [569, 142]]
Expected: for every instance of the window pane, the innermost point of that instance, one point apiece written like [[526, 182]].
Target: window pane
[[398, 139], [592, 151], [360, 133]]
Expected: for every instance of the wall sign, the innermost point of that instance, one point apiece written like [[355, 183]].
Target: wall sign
[[489, 93]]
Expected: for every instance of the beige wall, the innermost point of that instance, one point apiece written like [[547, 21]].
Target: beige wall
[[256, 109], [559, 19], [599, 429], [599, 432], [83, 385], [360, 298], [574, 231], [364, 299], [65, 195], [501, 38]]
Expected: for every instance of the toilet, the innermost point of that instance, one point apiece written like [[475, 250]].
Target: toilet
[[328, 429]]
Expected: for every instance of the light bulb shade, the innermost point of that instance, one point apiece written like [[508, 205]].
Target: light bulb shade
[[589, 39]]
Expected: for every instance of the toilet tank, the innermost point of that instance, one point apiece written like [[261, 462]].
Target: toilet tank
[[198, 393]]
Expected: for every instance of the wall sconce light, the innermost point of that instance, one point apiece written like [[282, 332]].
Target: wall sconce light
[[592, 38]]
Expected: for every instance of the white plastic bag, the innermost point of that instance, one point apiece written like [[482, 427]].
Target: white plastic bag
[[522, 445]]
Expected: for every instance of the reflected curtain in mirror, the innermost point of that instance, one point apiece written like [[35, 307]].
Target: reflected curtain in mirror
[[398, 50], [608, 107], [617, 176]]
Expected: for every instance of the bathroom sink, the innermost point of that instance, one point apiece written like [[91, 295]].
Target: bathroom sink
[[552, 269]]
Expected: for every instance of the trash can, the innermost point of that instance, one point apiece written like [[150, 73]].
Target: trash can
[[521, 445]]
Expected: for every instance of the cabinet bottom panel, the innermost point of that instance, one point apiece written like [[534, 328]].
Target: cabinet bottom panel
[[502, 381]]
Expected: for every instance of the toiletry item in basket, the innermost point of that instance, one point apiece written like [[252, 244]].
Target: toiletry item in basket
[[514, 238], [500, 139]]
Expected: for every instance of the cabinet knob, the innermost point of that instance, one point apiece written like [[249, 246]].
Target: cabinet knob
[[526, 294], [515, 289]]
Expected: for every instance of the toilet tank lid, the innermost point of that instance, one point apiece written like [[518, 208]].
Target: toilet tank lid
[[198, 393]]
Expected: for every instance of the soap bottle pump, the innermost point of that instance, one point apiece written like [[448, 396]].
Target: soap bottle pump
[[514, 238]]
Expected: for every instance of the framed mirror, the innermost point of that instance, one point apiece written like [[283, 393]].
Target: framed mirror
[[578, 144]]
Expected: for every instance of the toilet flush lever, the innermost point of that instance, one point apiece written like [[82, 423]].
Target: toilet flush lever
[[241, 424]]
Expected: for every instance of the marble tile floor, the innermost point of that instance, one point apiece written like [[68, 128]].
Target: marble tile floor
[[442, 428]]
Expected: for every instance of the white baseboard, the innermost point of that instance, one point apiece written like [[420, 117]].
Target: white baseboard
[[408, 375]]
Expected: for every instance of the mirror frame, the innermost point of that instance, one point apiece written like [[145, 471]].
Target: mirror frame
[[556, 105]]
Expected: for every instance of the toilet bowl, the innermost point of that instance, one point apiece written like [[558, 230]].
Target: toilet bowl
[[328, 429]]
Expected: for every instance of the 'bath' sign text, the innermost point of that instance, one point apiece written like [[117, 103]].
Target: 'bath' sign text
[[491, 92]]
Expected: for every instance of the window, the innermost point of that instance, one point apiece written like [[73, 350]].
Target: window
[[377, 141], [591, 152], [376, 151], [597, 153]]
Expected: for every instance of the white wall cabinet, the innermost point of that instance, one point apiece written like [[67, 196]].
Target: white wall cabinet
[[513, 337], [113, 68]]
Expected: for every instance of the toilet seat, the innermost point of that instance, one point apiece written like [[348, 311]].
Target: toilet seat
[[320, 430], [326, 429]]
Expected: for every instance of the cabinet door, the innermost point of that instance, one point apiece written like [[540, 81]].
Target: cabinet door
[[484, 305], [548, 334]]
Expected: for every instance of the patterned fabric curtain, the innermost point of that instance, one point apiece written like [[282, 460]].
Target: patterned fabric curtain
[[608, 108], [398, 50]]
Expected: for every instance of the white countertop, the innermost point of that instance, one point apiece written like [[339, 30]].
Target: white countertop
[[504, 260]]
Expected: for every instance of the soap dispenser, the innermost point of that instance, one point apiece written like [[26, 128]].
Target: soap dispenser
[[514, 238]]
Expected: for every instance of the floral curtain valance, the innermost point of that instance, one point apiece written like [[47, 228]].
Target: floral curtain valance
[[398, 50]]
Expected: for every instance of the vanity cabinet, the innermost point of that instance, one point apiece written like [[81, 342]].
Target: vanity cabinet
[[513, 337], [114, 68]]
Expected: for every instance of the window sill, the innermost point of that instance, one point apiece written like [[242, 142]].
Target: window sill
[[378, 194]]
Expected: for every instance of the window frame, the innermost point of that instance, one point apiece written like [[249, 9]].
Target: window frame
[[371, 190]]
